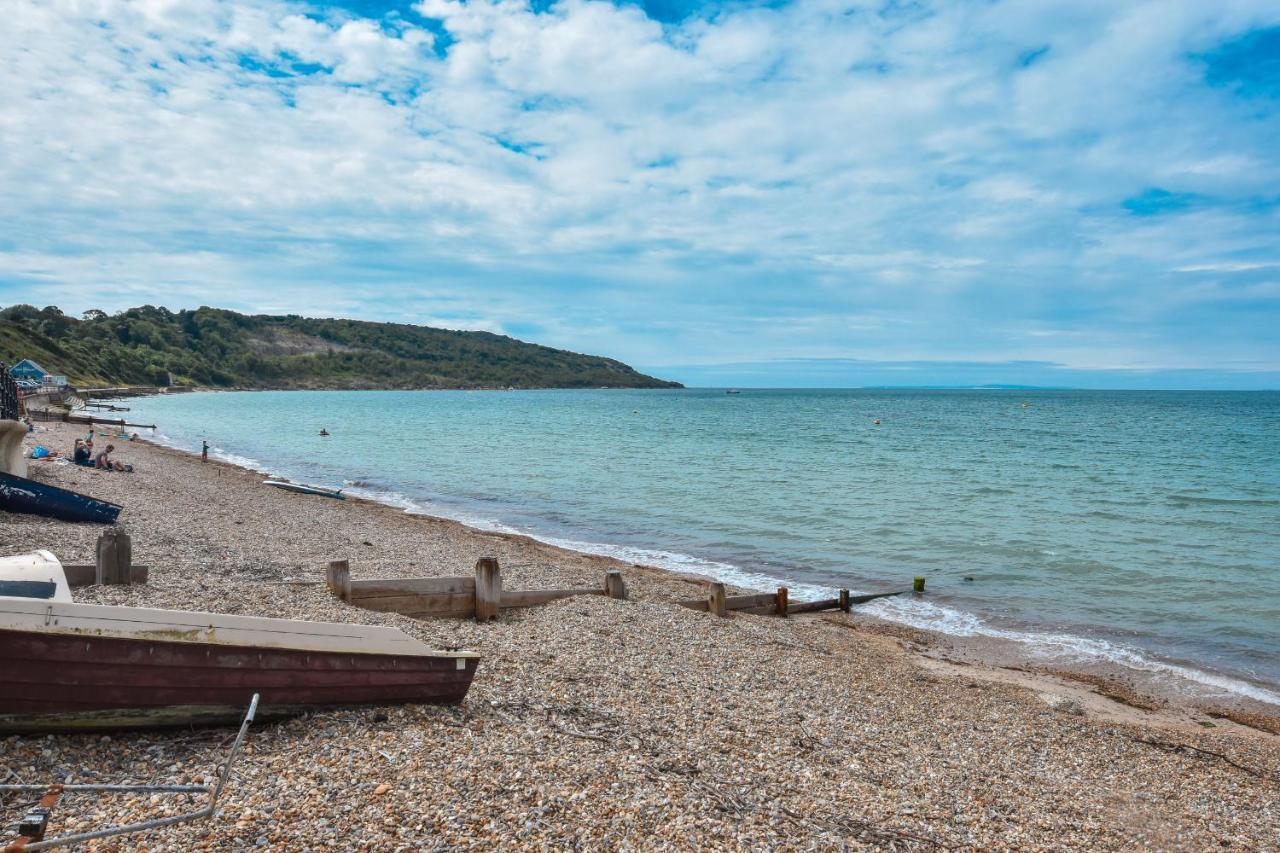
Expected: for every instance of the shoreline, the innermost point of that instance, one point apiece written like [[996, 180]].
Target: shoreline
[[1151, 681], [999, 659], [667, 725]]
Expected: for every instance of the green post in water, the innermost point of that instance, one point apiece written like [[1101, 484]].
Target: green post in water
[[919, 585]]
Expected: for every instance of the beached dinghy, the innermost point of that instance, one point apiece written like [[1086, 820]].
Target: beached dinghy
[[18, 494], [81, 667], [304, 489]]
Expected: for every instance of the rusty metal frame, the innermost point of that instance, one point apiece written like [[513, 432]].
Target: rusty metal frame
[[53, 792]]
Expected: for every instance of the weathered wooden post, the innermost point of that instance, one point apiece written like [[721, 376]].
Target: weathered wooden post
[[781, 601], [844, 600], [919, 585], [488, 589], [338, 579], [614, 585], [715, 598], [113, 557]]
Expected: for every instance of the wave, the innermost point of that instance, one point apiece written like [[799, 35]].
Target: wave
[[217, 453], [957, 623], [1199, 499]]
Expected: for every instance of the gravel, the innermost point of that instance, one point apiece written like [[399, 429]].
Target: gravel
[[595, 723]]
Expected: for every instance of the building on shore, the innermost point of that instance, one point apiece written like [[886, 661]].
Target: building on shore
[[31, 376]]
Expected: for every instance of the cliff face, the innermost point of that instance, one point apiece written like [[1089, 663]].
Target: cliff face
[[214, 347]]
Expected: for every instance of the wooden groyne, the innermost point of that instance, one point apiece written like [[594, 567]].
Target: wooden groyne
[[481, 595], [49, 415], [776, 603]]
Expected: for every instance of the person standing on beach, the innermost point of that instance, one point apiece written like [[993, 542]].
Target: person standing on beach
[[204, 451]]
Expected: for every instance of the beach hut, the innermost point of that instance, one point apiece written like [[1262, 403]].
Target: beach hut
[[28, 374]]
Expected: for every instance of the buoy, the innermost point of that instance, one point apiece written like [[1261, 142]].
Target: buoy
[[323, 431], [877, 422]]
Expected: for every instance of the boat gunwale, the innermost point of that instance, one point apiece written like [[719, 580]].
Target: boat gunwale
[[42, 616]]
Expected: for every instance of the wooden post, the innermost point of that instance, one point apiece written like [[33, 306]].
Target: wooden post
[[113, 558], [919, 585], [338, 578], [781, 601], [614, 585], [844, 600], [488, 589], [715, 598]]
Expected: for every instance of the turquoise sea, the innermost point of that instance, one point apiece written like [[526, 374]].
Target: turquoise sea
[[1137, 528]]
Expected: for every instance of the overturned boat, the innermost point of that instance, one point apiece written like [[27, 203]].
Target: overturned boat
[[18, 494], [82, 667]]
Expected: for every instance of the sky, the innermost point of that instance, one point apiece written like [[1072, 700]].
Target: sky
[[802, 192]]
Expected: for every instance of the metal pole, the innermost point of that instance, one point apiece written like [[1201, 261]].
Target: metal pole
[[216, 791]]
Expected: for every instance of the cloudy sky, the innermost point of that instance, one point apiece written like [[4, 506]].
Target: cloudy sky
[[825, 192]]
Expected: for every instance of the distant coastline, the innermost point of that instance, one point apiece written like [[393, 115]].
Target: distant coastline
[[150, 346]]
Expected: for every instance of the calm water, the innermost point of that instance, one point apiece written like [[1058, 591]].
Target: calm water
[[1139, 527]]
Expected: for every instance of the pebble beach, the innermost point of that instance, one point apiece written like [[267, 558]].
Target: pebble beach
[[602, 724]]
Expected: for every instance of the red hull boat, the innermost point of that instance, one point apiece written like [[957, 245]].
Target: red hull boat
[[67, 666]]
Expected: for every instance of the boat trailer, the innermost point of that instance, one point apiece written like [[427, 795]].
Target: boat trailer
[[32, 827]]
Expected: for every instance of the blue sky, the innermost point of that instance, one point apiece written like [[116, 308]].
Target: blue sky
[[780, 193]]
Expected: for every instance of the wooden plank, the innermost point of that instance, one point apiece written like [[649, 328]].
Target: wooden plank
[[843, 601], [436, 604], [533, 597], [86, 574], [395, 587], [813, 606], [488, 589], [760, 602], [863, 599], [780, 606], [743, 602]]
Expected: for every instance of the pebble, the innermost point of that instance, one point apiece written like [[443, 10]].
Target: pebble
[[599, 724]]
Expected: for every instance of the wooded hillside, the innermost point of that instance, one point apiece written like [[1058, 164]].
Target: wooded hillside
[[213, 347]]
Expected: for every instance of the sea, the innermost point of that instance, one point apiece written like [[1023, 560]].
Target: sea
[[1133, 529]]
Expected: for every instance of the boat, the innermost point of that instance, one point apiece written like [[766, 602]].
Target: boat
[[304, 489], [19, 494], [66, 666], [733, 391]]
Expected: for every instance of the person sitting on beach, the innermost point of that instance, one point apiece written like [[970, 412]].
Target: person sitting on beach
[[103, 459], [83, 455]]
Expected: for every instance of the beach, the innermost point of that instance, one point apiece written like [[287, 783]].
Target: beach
[[631, 724]]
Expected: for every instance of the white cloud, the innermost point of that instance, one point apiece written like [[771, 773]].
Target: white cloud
[[821, 156]]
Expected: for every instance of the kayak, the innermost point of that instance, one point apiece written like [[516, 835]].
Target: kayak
[[304, 489]]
